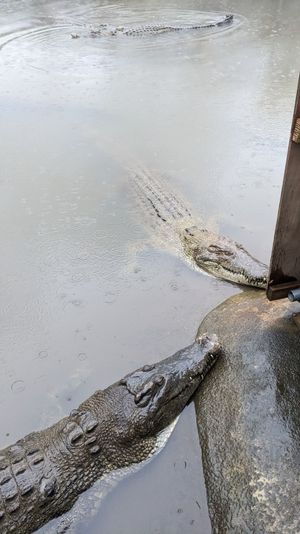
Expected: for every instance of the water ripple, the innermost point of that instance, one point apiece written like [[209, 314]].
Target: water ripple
[[45, 43]]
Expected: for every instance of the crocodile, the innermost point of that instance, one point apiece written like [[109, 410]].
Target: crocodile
[[224, 258], [213, 253], [42, 475], [155, 29]]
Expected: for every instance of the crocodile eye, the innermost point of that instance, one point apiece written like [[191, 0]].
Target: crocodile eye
[[138, 397], [143, 397], [159, 380]]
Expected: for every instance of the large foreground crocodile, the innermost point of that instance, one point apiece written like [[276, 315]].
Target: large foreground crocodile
[[42, 475], [156, 29], [216, 254]]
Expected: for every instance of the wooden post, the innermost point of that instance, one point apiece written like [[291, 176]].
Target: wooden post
[[285, 260]]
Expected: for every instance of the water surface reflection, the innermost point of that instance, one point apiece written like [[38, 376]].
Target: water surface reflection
[[79, 272]]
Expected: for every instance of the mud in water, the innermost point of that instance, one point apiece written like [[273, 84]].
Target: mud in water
[[86, 291]]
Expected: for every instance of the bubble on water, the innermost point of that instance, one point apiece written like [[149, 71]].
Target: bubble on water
[[18, 386], [109, 297], [43, 354], [76, 302], [174, 285], [78, 277], [82, 356]]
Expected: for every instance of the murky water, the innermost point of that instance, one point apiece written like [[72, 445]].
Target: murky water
[[86, 295]]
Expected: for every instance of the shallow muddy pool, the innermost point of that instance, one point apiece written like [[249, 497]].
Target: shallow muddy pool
[[87, 291]]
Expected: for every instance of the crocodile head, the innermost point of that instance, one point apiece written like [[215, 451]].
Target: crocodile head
[[142, 404], [224, 258]]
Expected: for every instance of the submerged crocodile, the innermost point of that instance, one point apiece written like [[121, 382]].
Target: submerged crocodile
[[42, 475], [155, 29], [216, 254]]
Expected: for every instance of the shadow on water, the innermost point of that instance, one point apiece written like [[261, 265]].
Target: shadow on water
[[86, 293]]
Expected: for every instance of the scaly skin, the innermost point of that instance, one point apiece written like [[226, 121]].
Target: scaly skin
[[161, 28], [155, 29], [223, 257], [42, 475], [218, 255]]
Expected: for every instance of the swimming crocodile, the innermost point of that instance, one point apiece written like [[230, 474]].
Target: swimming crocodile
[[155, 29], [216, 254], [42, 475]]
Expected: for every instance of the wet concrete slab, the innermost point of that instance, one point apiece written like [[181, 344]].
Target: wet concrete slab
[[248, 417]]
